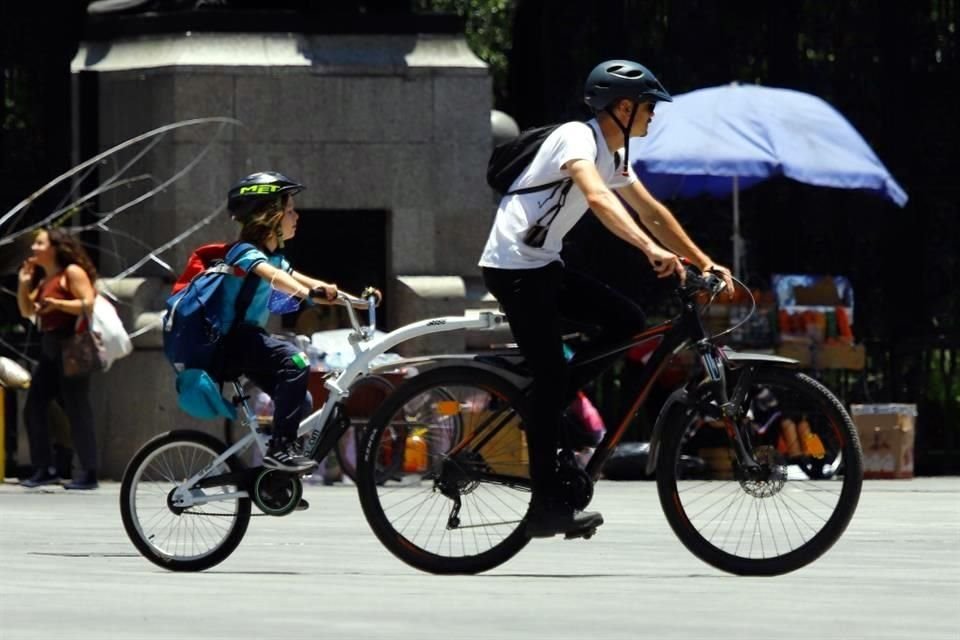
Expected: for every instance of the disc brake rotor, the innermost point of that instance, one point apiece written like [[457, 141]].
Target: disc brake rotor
[[773, 474]]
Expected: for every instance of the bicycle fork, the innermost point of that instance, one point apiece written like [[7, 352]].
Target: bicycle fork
[[714, 403]]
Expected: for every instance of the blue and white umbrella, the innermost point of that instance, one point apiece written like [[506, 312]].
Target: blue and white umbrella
[[719, 140]]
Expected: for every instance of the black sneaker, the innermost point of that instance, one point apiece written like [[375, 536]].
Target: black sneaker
[[546, 521], [85, 481], [39, 478], [284, 456]]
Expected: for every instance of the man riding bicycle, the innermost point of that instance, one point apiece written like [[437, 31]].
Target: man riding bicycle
[[522, 268]]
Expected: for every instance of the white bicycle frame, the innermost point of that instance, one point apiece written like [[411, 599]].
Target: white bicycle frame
[[366, 348]]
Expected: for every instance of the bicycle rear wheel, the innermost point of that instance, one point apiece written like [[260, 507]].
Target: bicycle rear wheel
[[460, 489], [783, 516], [191, 539]]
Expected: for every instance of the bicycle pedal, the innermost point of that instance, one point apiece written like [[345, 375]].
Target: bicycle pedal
[[303, 505], [586, 534]]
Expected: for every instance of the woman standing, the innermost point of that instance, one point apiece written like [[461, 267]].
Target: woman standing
[[55, 287]]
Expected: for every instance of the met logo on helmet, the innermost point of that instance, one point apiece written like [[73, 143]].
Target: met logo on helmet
[[259, 188]]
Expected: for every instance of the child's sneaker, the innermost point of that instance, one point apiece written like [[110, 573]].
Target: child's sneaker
[[283, 455]]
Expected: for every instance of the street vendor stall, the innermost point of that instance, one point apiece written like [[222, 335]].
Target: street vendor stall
[[814, 318], [807, 318]]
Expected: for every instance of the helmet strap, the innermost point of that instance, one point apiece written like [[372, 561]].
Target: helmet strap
[[626, 133]]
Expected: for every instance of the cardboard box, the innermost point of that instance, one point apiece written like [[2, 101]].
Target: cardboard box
[[718, 461], [506, 452], [824, 355], [886, 434]]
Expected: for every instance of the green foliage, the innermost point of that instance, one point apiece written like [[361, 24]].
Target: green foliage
[[15, 112], [489, 25], [943, 380]]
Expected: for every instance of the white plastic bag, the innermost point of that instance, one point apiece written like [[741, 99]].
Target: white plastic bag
[[106, 322], [13, 375]]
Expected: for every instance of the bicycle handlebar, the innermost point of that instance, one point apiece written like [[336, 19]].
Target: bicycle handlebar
[[370, 301], [710, 282], [697, 281]]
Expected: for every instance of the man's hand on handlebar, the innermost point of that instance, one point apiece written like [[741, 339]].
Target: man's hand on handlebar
[[725, 275], [666, 263], [711, 281]]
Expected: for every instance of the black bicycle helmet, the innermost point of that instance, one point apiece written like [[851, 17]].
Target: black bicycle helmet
[[258, 189], [618, 79]]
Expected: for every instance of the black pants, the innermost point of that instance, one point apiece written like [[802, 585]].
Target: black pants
[[49, 384], [540, 304], [273, 366]]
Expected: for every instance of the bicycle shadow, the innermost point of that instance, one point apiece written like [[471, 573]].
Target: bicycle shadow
[[565, 576], [256, 573]]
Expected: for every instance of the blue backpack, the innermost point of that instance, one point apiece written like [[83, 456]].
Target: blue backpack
[[193, 325]]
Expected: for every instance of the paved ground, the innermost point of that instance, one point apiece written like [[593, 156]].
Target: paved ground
[[67, 570]]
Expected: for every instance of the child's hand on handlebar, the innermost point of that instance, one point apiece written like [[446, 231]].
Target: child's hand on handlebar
[[325, 292]]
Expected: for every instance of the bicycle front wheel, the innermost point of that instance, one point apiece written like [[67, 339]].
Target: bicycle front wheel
[[781, 516], [459, 484], [191, 539]]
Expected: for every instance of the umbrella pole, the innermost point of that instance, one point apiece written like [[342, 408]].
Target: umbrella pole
[[737, 240]]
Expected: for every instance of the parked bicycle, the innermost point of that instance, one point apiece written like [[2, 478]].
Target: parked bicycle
[[186, 496], [758, 466]]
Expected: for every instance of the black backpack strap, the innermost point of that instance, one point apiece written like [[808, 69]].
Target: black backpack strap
[[551, 185], [567, 183], [554, 211], [542, 187]]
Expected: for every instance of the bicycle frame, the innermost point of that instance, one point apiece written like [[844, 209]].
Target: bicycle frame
[[678, 334], [316, 424], [673, 336], [323, 434], [672, 339], [684, 331]]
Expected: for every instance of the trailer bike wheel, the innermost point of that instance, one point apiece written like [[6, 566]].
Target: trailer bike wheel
[[181, 539]]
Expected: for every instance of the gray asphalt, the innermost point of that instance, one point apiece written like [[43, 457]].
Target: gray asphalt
[[67, 570]]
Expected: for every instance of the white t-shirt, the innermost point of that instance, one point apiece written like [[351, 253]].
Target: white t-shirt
[[505, 248]]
